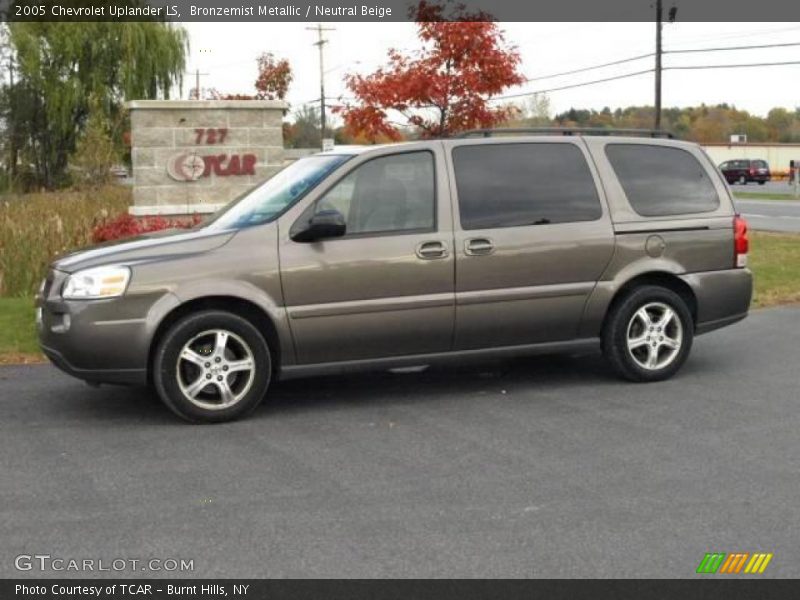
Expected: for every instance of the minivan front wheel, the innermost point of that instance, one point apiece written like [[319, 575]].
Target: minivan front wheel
[[212, 366], [648, 335]]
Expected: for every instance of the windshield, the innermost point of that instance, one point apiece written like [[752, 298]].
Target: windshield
[[277, 193]]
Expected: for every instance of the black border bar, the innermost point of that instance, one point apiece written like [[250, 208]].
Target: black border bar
[[389, 10], [712, 586]]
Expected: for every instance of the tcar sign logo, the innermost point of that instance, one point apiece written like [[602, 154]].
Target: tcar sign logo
[[186, 167], [191, 167]]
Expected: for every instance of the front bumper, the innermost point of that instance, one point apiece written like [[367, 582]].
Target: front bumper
[[117, 376], [100, 341]]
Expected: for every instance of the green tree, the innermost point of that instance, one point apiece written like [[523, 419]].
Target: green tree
[[59, 66], [95, 153]]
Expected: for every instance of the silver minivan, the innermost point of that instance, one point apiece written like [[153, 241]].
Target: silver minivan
[[502, 243]]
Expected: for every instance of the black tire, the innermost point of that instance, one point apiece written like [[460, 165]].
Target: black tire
[[620, 324], [761, 182], [742, 179], [209, 404]]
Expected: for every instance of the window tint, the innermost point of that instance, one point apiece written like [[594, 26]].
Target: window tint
[[393, 193], [277, 193], [760, 164], [509, 185], [659, 180]]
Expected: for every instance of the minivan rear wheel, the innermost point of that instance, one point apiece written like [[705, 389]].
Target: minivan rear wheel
[[648, 335], [212, 366]]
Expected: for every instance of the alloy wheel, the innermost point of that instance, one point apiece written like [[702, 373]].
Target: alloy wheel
[[215, 369], [654, 336]]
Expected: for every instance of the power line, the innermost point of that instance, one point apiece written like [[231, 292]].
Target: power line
[[574, 85], [628, 75], [648, 55], [741, 34], [724, 48], [608, 64], [739, 66]]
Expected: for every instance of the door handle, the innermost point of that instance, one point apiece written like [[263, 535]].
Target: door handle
[[431, 250], [478, 247]]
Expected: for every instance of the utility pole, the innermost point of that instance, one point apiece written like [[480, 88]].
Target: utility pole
[[659, 16], [320, 43], [197, 74]]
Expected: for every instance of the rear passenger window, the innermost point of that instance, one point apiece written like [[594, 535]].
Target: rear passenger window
[[660, 181], [511, 185]]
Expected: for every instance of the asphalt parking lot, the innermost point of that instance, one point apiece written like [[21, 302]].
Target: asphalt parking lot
[[537, 467], [775, 186], [771, 215]]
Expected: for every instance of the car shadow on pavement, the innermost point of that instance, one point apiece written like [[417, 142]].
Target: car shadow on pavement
[[435, 382], [352, 390]]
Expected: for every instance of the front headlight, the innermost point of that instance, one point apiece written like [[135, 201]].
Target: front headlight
[[100, 282]]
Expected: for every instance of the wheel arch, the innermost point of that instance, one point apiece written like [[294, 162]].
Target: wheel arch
[[663, 279], [242, 307]]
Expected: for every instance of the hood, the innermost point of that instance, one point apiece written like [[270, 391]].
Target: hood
[[156, 245]]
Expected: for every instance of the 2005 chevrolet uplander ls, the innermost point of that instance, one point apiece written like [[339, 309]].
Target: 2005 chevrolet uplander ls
[[401, 255]]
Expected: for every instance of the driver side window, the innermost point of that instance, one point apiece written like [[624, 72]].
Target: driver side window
[[389, 194]]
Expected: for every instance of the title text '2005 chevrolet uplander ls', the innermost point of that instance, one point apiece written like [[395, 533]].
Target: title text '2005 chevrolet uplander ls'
[[408, 254]]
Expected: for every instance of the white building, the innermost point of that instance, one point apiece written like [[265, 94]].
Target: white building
[[777, 155]]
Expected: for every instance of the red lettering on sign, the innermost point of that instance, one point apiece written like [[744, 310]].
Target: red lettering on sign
[[211, 136], [233, 165], [223, 166], [249, 164], [210, 162]]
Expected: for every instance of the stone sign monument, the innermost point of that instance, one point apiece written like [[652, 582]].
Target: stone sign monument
[[194, 156]]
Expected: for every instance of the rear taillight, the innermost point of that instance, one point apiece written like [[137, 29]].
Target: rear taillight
[[741, 245]]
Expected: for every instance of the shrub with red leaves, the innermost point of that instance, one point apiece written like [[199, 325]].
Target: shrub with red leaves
[[126, 225]]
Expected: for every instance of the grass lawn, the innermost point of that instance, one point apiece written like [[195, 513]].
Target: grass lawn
[[18, 331], [765, 196], [774, 259]]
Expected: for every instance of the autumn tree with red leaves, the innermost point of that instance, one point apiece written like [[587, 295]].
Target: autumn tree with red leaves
[[443, 88], [274, 77]]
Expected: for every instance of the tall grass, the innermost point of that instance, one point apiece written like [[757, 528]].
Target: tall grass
[[36, 228]]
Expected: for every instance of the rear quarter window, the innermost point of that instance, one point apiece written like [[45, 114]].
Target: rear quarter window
[[521, 184], [661, 180]]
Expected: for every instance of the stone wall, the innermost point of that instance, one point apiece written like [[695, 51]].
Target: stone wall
[[195, 156]]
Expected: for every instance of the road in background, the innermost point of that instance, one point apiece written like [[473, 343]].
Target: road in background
[[537, 467], [770, 215], [770, 187]]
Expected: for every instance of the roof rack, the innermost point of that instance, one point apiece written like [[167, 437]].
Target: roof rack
[[652, 133]]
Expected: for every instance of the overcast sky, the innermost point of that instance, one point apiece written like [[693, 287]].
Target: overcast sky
[[227, 53]]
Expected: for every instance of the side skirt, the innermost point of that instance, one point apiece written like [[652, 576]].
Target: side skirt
[[455, 356]]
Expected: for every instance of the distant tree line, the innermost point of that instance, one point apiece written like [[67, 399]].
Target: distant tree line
[[703, 124]]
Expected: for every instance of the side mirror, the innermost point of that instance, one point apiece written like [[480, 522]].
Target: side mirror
[[324, 224]]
